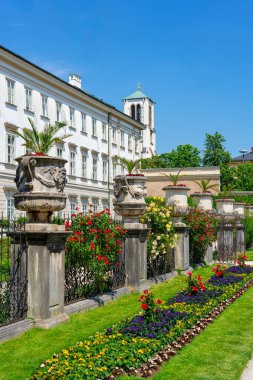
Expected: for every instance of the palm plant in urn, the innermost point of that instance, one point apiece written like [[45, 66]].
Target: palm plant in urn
[[40, 179], [129, 191], [204, 198], [175, 192]]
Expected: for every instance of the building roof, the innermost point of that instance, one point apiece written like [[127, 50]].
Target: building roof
[[244, 157], [113, 109], [137, 95]]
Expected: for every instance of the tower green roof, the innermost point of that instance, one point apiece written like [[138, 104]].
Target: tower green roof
[[136, 95]]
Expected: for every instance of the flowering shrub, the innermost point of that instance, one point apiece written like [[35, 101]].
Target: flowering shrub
[[148, 304], [240, 259], [92, 252], [195, 285], [219, 270], [203, 232], [162, 236]]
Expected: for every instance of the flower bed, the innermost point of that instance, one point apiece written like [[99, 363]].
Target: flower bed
[[126, 346]]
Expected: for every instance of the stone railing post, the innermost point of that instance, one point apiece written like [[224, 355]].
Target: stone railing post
[[40, 181], [239, 211], [176, 197], [129, 202]]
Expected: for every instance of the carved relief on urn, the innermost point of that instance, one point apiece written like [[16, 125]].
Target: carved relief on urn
[[130, 192], [40, 181]]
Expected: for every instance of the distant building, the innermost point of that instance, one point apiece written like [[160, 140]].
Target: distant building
[[156, 180], [243, 158], [99, 131], [141, 108]]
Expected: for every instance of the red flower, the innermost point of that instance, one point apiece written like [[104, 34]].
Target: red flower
[[146, 291], [74, 215], [89, 222], [189, 273], [78, 233], [76, 208], [144, 306], [117, 264], [142, 298], [92, 246], [159, 302]]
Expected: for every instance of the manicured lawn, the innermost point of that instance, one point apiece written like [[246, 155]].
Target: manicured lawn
[[220, 352], [250, 254], [20, 357]]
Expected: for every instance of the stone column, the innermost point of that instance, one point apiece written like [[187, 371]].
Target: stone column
[[226, 238], [181, 248], [129, 202], [40, 181], [136, 254]]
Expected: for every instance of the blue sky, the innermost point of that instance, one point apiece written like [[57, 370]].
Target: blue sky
[[193, 57]]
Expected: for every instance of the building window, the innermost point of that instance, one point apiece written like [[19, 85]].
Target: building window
[[72, 117], [138, 112], [94, 168], [94, 127], [84, 165], [28, 99], [73, 204], [133, 111], [10, 209], [114, 170], [95, 204], [84, 205], [105, 169], [136, 144], [58, 111], [59, 151], [83, 115], [44, 100], [10, 148], [72, 162], [104, 132], [150, 116], [114, 139], [122, 138], [129, 142], [105, 204], [10, 91]]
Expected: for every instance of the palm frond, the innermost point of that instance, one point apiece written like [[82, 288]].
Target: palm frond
[[206, 186]]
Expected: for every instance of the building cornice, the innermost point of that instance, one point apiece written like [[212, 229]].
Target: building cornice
[[48, 78]]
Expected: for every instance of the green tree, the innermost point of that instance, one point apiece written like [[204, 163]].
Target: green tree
[[244, 177], [215, 153], [152, 162], [183, 156]]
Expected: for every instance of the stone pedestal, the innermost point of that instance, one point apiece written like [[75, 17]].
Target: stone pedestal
[[226, 238], [181, 248], [240, 238], [136, 254], [209, 255], [45, 273]]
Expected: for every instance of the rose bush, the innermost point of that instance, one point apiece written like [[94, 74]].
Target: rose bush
[[203, 232], [92, 252]]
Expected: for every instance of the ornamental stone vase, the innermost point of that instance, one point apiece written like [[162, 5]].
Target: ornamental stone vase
[[239, 208], [203, 200], [176, 195], [130, 192], [40, 181], [225, 206]]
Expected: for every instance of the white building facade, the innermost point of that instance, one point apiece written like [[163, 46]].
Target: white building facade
[[99, 132]]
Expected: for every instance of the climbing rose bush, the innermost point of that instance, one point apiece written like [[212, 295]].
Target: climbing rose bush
[[162, 236], [95, 237], [203, 232]]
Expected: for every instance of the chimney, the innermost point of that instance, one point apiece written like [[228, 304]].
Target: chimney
[[75, 80]]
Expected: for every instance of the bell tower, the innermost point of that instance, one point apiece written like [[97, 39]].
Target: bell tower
[[141, 108]]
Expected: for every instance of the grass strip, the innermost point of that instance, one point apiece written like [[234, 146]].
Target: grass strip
[[20, 356], [249, 253]]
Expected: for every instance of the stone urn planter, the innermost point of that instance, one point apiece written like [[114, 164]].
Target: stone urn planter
[[239, 208], [203, 200], [40, 181], [225, 205], [130, 192], [176, 196]]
